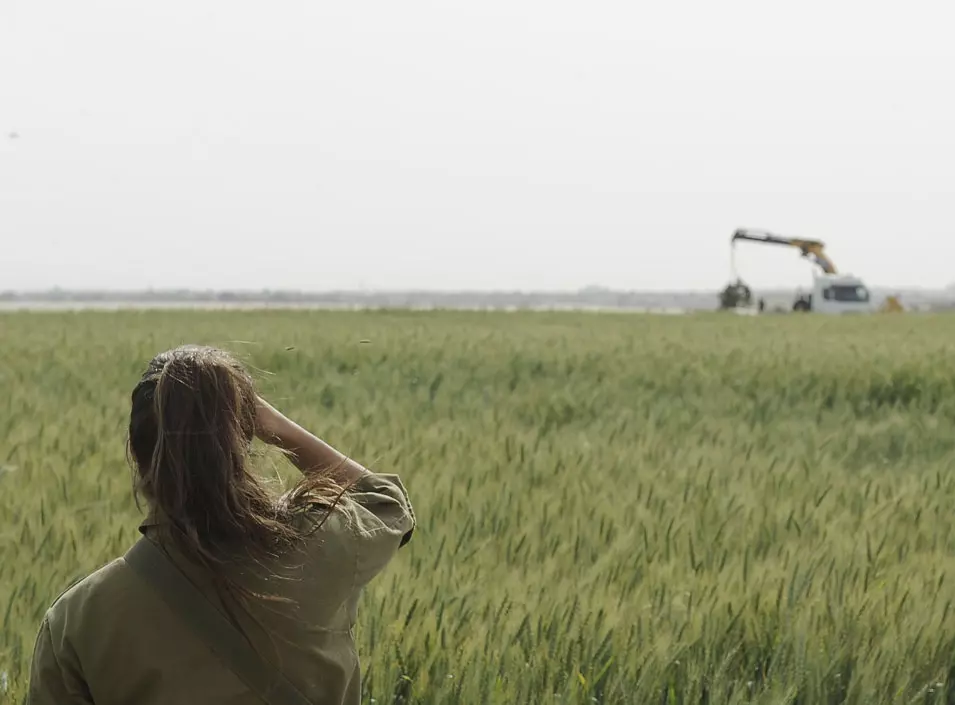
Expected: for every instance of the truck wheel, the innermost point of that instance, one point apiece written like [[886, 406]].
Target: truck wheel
[[801, 306]]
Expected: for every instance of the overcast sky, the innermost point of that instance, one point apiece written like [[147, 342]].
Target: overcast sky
[[488, 144]]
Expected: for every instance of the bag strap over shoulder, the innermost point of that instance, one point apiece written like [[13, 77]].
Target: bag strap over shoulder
[[211, 626]]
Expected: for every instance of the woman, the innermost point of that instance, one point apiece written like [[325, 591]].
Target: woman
[[286, 572]]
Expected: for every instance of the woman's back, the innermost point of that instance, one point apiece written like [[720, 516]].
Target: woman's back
[[112, 638]]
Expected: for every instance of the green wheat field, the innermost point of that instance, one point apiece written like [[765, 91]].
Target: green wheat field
[[612, 508]]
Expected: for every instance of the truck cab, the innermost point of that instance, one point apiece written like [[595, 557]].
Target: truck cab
[[836, 294]]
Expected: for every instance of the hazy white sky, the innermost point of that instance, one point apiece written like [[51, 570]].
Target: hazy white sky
[[487, 144]]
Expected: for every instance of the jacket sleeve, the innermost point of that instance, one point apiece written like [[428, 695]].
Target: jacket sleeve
[[54, 678], [385, 521]]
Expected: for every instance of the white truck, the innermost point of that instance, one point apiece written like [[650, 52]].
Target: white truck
[[836, 294], [832, 293]]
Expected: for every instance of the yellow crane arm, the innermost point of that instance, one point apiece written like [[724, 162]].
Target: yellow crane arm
[[811, 249]]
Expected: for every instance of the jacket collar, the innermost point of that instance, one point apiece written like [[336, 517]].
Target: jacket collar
[[154, 518]]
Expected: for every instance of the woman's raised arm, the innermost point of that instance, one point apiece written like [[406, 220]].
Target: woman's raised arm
[[308, 452]]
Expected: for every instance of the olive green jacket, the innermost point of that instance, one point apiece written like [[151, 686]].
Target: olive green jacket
[[111, 640]]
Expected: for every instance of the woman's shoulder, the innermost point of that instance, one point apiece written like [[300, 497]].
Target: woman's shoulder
[[374, 502], [377, 516], [368, 522], [91, 598], [380, 502]]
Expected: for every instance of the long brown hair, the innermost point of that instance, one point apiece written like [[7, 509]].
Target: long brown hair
[[191, 429]]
